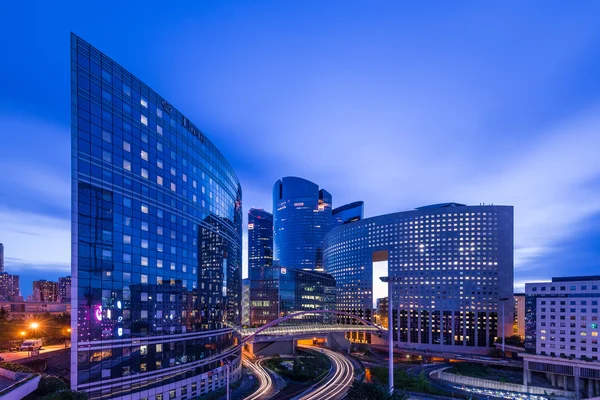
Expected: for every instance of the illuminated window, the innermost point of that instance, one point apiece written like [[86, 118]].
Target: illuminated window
[[144, 120], [144, 102]]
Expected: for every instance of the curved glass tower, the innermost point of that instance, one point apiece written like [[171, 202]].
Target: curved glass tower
[[302, 217], [156, 242]]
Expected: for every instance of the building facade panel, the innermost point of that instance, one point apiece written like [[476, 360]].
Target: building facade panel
[[156, 242], [455, 265]]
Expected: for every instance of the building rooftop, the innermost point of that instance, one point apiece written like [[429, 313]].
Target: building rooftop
[[441, 205], [576, 278]]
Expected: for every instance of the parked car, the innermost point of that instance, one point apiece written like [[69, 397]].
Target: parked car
[[31, 344]]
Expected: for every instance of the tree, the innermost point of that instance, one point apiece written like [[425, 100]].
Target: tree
[[4, 314]]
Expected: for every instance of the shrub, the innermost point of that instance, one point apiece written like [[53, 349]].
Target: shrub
[[15, 367], [50, 384], [66, 395]]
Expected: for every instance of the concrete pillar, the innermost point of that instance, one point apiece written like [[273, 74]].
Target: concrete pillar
[[590, 388], [553, 380], [525, 373], [565, 383], [577, 383]]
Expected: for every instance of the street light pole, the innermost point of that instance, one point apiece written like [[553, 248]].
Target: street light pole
[[389, 280], [227, 373], [503, 300]]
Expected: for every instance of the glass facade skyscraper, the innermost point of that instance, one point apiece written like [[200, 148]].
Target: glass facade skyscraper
[[264, 303], [455, 265], [260, 238], [156, 242], [302, 217]]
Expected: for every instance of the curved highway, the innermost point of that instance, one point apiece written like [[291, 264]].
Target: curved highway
[[267, 387], [337, 383]]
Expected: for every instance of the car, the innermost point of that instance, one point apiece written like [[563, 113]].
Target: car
[[31, 344]]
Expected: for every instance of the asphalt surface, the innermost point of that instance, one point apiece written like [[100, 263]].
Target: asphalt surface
[[17, 355], [337, 383]]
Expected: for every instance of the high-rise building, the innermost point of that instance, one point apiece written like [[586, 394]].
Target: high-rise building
[[283, 291], [9, 287], [454, 264], [302, 217], [157, 238], [1, 258], [45, 291], [519, 322], [64, 289], [348, 213], [561, 333], [260, 238], [263, 300]]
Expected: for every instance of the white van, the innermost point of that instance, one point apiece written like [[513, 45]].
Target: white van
[[31, 344]]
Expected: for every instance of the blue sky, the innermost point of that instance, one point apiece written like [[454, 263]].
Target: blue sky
[[397, 104]]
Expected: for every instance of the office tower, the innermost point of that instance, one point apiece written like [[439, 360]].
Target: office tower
[[45, 291], [1, 258], [381, 312], [9, 287], [519, 323], [301, 218], [455, 266], [264, 295], [348, 213], [570, 303], [64, 289], [263, 300], [246, 301], [561, 333], [289, 290], [260, 238], [157, 236]]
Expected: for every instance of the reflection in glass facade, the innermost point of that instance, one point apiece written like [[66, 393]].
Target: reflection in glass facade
[[156, 242], [455, 262], [301, 219], [348, 213]]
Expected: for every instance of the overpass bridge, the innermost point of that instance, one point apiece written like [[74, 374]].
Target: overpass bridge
[[276, 337]]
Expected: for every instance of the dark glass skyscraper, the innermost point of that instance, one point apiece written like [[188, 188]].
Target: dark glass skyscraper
[[301, 219], [455, 263], [264, 304], [156, 242], [260, 238]]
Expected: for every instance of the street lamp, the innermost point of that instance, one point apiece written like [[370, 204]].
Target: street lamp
[[503, 299], [390, 280], [34, 326]]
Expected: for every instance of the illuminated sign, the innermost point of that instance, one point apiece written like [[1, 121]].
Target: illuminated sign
[[195, 131], [283, 271], [98, 313], [250, 226]]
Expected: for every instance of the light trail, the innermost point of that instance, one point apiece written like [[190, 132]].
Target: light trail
[[267, 387], [337, 383]]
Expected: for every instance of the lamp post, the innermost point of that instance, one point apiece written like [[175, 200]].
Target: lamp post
[[34, 326], [390, 280], [227, 364], [503, 299]]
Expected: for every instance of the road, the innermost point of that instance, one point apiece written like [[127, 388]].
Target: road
[[337, 383], [268, 386], [17, 355]]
